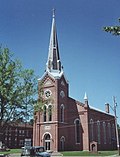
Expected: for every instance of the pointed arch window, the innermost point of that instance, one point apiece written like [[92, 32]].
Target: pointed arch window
[[92, 129], [77, 130], [50, 113], [98, 129], [44, 113], [113, 131], [62, 143], [109, 133], [62, 113], [104, 132]]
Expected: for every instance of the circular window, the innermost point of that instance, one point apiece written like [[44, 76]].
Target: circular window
[[47, 93]]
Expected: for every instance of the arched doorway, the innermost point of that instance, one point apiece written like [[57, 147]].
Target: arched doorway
[[93, 146], [47, 141]]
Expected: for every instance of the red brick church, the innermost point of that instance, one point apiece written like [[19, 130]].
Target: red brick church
[[65, 123]]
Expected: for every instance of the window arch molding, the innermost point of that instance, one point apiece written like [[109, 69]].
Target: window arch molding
[[62, 138], [76, 120], [62, 94], [45, 105], [62, 105], [46, 133]]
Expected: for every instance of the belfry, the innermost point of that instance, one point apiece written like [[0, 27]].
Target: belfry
[[63, 123]]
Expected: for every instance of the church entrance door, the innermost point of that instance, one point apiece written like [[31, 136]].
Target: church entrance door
[[47, 142]]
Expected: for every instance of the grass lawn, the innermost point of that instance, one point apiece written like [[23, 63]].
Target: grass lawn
[[84, 153], [12, 151], [71, 153]]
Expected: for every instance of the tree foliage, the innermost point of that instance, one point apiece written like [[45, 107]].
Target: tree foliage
[[115, 30], [29, 88], [38, 105], [17, 89]]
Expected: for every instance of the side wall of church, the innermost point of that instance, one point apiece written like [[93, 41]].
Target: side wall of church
[[102, 130], [69, 129]]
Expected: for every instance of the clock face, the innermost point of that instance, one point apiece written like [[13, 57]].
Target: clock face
[[47, 93]]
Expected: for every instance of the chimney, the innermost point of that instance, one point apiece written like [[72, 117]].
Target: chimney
[[107, 108]]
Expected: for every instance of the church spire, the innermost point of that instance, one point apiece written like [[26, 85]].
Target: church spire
[[53, 62]]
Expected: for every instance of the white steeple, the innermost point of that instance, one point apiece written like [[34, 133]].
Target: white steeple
[[53, 63], [85, 97]]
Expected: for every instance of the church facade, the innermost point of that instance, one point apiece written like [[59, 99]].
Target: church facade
[[63, 123]]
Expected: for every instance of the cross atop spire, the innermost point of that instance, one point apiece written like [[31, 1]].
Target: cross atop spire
[[53, 63], [53, 13]]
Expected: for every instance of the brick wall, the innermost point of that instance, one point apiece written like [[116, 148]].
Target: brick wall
[[62, 134]]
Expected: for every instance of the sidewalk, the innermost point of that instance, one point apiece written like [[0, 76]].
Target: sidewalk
[[15, 155]]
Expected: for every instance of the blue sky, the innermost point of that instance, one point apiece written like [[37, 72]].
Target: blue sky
[[90, 56]]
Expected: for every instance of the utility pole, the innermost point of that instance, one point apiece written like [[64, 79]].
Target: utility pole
[[117, 136]]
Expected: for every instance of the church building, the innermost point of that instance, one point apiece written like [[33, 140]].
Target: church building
[[62, 123]]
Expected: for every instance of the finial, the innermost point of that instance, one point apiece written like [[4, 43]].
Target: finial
[[86, 100], [53, 10], [85, 97]]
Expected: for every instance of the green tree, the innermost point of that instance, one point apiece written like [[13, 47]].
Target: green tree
[[38, 105], [29, 88], [115, 30], [17, 90]]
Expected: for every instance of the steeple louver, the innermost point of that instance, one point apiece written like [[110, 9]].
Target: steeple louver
[[53, 62]]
